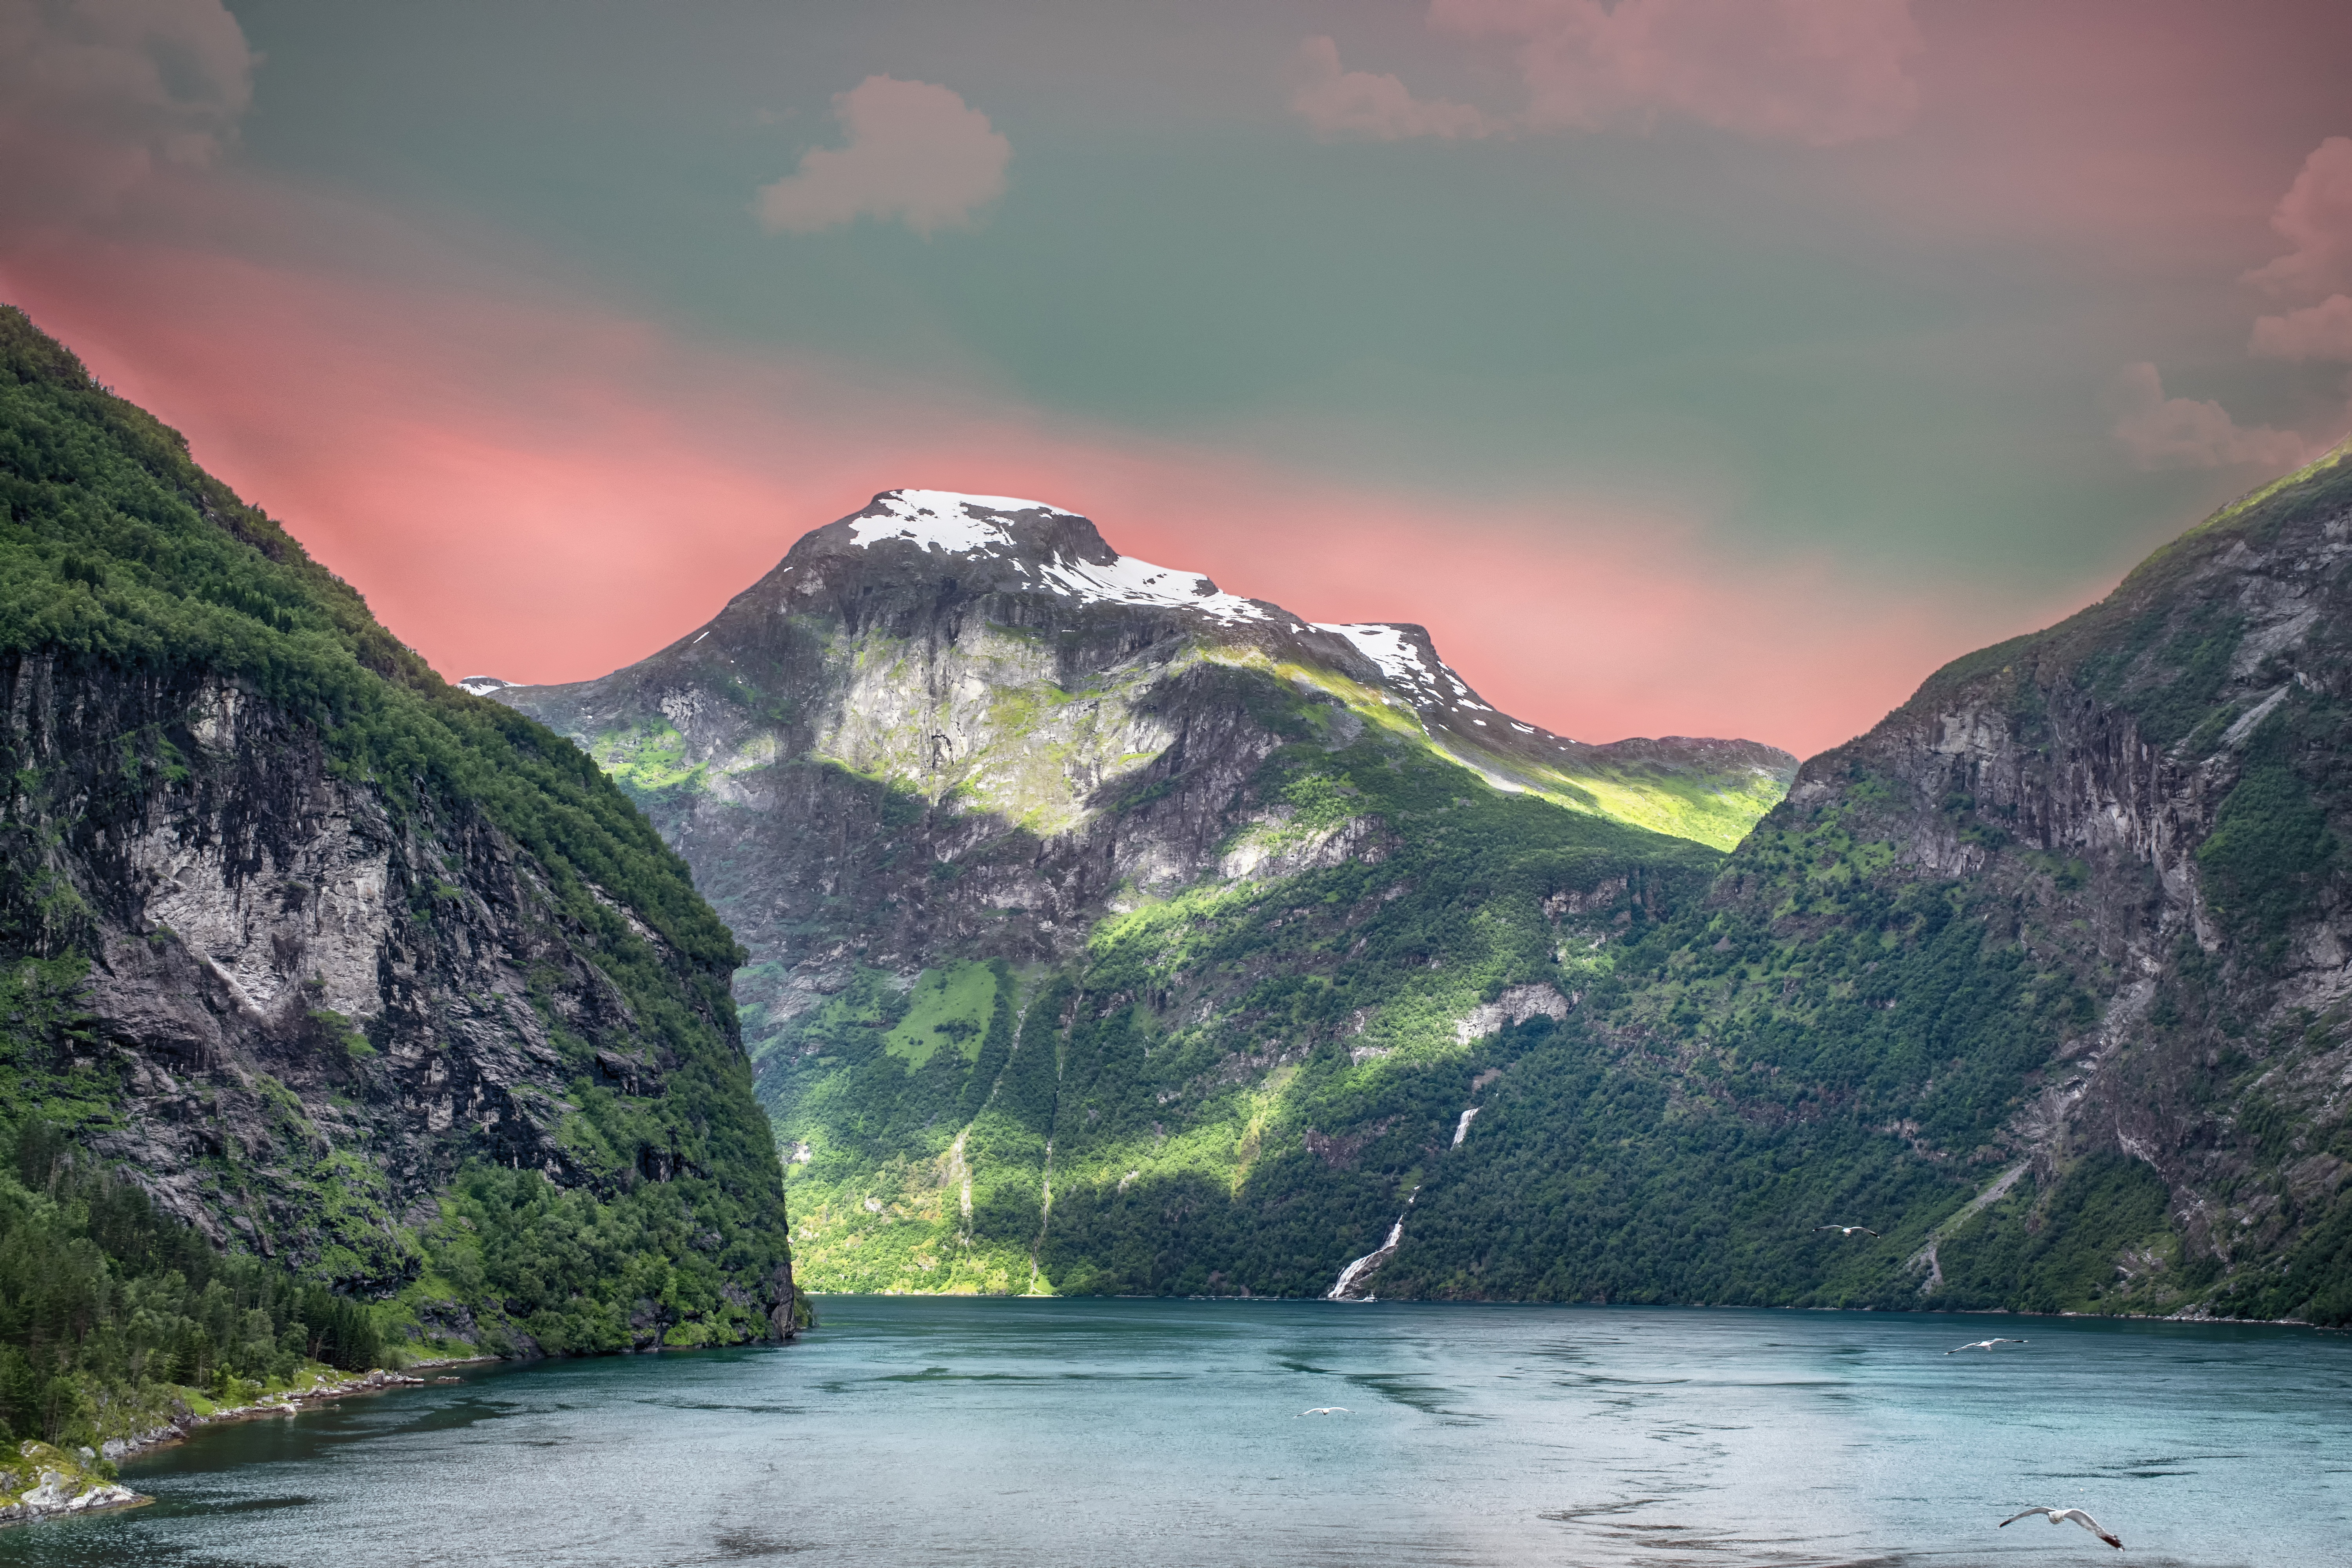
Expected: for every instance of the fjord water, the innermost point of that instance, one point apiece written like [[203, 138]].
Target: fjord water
[[911, 1431]]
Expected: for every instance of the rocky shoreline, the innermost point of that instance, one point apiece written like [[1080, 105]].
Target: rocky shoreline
[[286, 1403], [63, 1484], [66, 1482]]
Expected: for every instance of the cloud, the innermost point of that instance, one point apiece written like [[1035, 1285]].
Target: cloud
[[2321, 331], [916, 152], [2163, 432], [1818, 72], [2315, 217], [1345, 104], [95, 93]]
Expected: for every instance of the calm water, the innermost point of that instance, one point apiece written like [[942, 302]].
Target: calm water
[[1044, 1433]]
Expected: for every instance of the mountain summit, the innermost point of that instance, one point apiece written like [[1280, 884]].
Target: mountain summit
[[1038, 566], [947, 764]]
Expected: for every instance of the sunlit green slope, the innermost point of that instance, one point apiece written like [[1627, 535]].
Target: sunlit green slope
[[1074, 887]]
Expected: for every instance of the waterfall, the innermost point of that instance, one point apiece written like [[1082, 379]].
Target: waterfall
[[1354, 1273], [1367, 1263]]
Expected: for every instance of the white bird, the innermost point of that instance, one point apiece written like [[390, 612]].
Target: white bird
[[2059, 1516], [1328, 1410], [1847, 1229], [1981, 1345]]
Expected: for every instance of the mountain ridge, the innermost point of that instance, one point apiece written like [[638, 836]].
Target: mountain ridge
[[1021, 549], [953, 758], [2057, 953]]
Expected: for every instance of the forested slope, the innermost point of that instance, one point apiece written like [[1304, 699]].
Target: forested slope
[[349, 970], [2066, 936]]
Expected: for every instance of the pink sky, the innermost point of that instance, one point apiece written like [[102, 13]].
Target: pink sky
[[531, 475], [546, 491]]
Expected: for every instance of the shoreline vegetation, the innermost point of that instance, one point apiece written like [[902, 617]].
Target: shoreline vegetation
[[117, 1318], [122, 1330], [119, 1321], [71, 1481]]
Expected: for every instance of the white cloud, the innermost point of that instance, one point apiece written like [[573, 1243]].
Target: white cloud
[[2322, 331], [1819, 72], [94, 94], [2315, 217], [1339, 103], [916, 152], [2163, 432]]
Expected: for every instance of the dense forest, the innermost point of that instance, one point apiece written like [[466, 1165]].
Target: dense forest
[[386, 980], [111, 1313]]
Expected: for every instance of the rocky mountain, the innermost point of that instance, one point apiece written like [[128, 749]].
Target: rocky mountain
[[1109, 931], [2047, 978], [349, 969], [1113, 933]]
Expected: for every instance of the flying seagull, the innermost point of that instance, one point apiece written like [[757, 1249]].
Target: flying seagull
[[1847, 1229], [1329, 1410], [2059, 1516], [1981, 1345]]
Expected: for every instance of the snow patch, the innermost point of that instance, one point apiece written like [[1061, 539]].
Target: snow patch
[[483, 685], [1127, 581], [957, 524], [1425, 681], [945, 520]]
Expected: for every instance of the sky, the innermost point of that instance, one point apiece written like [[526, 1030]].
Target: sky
[[1686, 366]]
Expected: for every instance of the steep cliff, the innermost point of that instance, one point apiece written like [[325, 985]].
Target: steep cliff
[[346, 967], [1109, 930], [2045, 978]]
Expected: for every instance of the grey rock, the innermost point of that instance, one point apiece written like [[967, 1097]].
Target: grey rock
[[894, 752], [281, 963]]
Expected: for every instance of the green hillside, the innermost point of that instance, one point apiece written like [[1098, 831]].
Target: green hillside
[[1234, 1083], [140, 597]]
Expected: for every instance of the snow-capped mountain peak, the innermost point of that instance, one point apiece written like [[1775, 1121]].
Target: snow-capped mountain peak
[[1049, 548]]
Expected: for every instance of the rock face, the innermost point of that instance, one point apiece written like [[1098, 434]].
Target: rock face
[[2049, 975], [300, 936], [62, 1486], [283, 972], [951, 731], [2158, 790], [953, 725]]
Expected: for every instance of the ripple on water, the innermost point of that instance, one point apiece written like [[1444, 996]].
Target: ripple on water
[[1148, 1433]]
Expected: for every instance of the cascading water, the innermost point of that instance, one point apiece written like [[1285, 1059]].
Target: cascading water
[[1367, 1263], [1354, 1273]]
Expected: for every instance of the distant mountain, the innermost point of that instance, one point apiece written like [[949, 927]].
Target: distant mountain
[[358, 975], [2048, 978], [983, 797]]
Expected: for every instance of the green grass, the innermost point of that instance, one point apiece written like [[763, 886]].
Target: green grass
[[948, 1005], [647, 756]]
